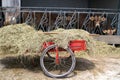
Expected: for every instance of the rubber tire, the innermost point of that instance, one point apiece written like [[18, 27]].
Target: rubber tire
[[54, 75]]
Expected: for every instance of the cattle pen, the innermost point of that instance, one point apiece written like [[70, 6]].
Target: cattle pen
[[102, 24], [96, 21]]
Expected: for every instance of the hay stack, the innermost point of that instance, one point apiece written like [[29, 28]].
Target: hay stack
[[93, 46], [62, 39], [18, 38]]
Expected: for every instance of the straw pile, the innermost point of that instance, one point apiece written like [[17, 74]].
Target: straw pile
[[93, 47], [19, 38], [64, 36]]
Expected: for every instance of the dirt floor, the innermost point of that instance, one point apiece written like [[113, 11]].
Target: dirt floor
[[102, 68]]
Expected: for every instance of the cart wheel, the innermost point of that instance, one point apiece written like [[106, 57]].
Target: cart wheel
[[56, 63]]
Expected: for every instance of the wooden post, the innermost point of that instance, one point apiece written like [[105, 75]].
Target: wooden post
[[118, 29]]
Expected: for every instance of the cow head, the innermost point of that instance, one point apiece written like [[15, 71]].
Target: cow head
[[97, 19], [110, 31], [11, 16]]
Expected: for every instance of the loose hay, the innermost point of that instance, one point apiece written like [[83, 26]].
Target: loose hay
[[18, 38], [21, 38]]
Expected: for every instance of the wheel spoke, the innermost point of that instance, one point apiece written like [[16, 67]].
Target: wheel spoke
[[48, 60], [64, 66], [50, 68], [52, 58], [68, 64]]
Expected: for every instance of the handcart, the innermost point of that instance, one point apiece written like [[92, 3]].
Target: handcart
[[59, 62]]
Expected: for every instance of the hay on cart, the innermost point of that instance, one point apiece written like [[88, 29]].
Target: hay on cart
[[22, 38]]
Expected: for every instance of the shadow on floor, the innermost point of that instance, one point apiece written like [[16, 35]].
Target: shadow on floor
[[83, 64], [33, 63]]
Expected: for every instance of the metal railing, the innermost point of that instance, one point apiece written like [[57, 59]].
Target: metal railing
[[49, 18]]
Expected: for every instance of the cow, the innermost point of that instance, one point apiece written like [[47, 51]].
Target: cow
[[95, 23], [110, 31], [11, 16], [2, 18]]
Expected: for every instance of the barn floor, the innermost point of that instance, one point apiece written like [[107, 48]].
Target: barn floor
[[100, 68]]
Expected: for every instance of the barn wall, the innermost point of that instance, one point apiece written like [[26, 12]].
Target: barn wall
[[0, 3], [111, 4], [11, 3], [55, 3]]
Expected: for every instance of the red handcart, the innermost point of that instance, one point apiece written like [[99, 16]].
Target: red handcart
[[58, 62]]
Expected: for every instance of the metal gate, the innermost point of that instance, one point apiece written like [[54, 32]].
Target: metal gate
[[95, 21]]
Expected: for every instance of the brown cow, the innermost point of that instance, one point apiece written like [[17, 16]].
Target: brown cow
[[109, 31], [96, 20]]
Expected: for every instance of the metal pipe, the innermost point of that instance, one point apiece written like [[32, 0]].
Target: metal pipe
[[67, 10]]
